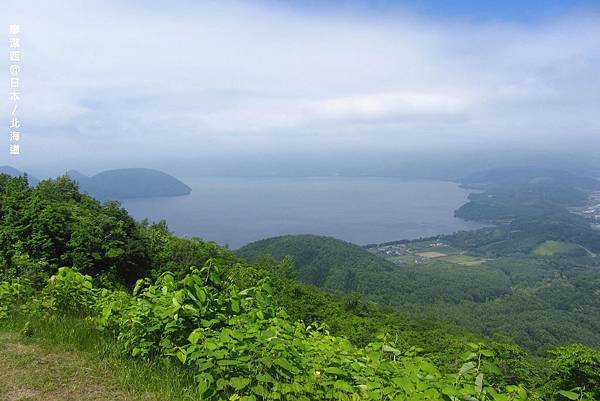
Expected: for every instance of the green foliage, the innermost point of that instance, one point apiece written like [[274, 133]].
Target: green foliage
[[54, 225], [239, 345], [322, 261], [576, 372], [515, 365], [355, 317], [529, 207], [13, 294], [166, 312], [26, 331], [168, 253], [539, 302], [62, 189], [551, 248], [69, 293]]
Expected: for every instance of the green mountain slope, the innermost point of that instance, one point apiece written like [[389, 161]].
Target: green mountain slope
[[323, 261], [529, 206], [340, 266], [531, 299]]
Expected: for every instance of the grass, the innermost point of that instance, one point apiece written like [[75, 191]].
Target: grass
[[431, 255], [464, 260], [31, 372], [67, 359], [551, 248]]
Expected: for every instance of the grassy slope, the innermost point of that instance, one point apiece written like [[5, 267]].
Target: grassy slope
[[65, 359], [551, 248], [29, 371]]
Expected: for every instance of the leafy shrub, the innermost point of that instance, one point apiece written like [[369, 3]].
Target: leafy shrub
[[241, 347], [69, 293], [13, 294], [162, 315], [111, 307], [576, 372]]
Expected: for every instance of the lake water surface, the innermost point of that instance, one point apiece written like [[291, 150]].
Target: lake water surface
[[236, 211]]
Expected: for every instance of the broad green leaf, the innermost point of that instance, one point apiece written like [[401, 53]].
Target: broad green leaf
[[387, 348], [334, 370], [479, 384], [181, 355], [286, 365], [569, 394], [239, 383], [467, 367]]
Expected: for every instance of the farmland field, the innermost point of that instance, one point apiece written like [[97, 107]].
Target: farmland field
[[550, 248]]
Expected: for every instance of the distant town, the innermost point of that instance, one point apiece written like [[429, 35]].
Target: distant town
[[424, 252], [592, 210]]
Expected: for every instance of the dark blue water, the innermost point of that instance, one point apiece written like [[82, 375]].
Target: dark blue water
[[236, 211]]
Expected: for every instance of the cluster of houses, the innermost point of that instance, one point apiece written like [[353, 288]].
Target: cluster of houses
[[592, 211], [404, 249], [394, 250]]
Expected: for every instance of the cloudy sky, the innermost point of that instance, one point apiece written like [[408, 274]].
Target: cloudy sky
[[122, 83]]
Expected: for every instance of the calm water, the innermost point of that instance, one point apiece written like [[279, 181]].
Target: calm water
[[236, 211]]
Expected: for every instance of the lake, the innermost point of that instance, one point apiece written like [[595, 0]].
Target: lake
[[236, 211]]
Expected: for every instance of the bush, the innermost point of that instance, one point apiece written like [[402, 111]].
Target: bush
[[69, 293], [13, 295], [576, 372], [240, 346]]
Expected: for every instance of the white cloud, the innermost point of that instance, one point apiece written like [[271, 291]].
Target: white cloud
[[217, 74], [388, 105]]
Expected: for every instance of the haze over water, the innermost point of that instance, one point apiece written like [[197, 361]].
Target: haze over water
[[236, 211]]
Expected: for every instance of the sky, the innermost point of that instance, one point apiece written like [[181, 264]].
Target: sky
[[135, 83]]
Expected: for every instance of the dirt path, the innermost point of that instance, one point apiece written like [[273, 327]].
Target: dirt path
[[31, 373], [592, 254]]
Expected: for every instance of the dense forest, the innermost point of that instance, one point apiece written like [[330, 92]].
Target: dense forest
[[528, 206], [536, 300], [250, 331]]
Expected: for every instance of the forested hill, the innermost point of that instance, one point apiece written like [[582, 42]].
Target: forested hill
[[528, 207], [322, 261], [511, 195], [340, 266]]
